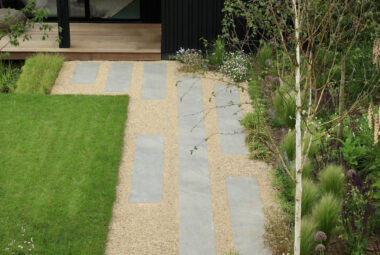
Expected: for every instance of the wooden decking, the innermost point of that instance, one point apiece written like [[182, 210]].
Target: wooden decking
[[94, 42]]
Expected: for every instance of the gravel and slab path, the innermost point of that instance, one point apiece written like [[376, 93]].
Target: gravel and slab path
[[186, 184]]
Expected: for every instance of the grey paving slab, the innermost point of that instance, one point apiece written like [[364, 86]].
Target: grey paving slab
[[229, 115], [148, 169], [196, 228], [85, 73], [247, 217], [119, 77], [154, 81]]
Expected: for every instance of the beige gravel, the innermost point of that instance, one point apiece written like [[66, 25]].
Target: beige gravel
[[153, 228]]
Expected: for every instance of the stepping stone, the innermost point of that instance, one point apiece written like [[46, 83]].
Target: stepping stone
[[119, 77], [232, 137], [154, 81], [85, 73], [196, 227], [247, 217], [148, 169]]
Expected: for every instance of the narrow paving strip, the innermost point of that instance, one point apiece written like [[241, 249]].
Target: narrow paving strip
[[85, 73], [196, 228], [232, 135], [119, 77], [148, 169], [193, 185], [154, 81], [247, 216]]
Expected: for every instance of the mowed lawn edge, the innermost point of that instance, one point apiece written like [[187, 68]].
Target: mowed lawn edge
[[59, 161]]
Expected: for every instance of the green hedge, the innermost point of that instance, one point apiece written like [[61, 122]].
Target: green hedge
[[39, 74]]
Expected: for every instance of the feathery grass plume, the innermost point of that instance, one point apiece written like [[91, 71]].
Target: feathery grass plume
[[264, 55], [331, 180], [285, 107], [288, 145], [310, 195], [308, 169], [370, 116], [308, 228], [326, 213]]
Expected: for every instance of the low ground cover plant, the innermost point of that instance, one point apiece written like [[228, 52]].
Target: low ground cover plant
[[59, 158], [39, 74]]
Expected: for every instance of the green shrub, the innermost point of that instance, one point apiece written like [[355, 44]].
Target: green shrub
[[9, 73], [39, 74], [326, 213], [308, 229], [310, 195], [218, 52], [332, 180], [284, 104]]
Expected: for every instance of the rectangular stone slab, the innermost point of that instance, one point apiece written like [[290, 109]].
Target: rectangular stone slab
[[196, 227], [232, 136], [148, 169], [247, 217], [85, 73], [154, 81], [119, 77]]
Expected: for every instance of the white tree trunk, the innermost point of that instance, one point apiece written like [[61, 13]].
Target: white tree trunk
[[298, 198]]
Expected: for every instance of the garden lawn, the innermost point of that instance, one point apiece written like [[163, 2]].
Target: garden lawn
[[59, 160]]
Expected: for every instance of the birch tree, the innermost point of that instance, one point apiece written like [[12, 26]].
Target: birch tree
[[297, 227]]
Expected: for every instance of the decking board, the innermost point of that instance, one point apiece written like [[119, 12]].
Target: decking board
[[94, 41]]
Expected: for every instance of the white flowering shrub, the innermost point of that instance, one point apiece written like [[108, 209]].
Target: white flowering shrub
[[191, 59], [236, 66]]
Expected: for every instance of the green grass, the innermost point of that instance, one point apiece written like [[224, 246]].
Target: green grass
[[59, 158], [39, 74]]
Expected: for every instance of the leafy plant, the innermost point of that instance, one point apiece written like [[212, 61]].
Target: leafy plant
[[331, 180], [358, 214], [39, 74]]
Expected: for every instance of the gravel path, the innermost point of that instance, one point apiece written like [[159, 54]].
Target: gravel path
[[153, 228]]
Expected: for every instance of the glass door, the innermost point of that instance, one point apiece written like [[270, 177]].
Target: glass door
[[115, 9]]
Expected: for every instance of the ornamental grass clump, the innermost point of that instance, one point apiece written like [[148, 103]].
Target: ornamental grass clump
[[332, 180], [39, 74], [284, 104], [308, 228], [310, 195], [326, 213]]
